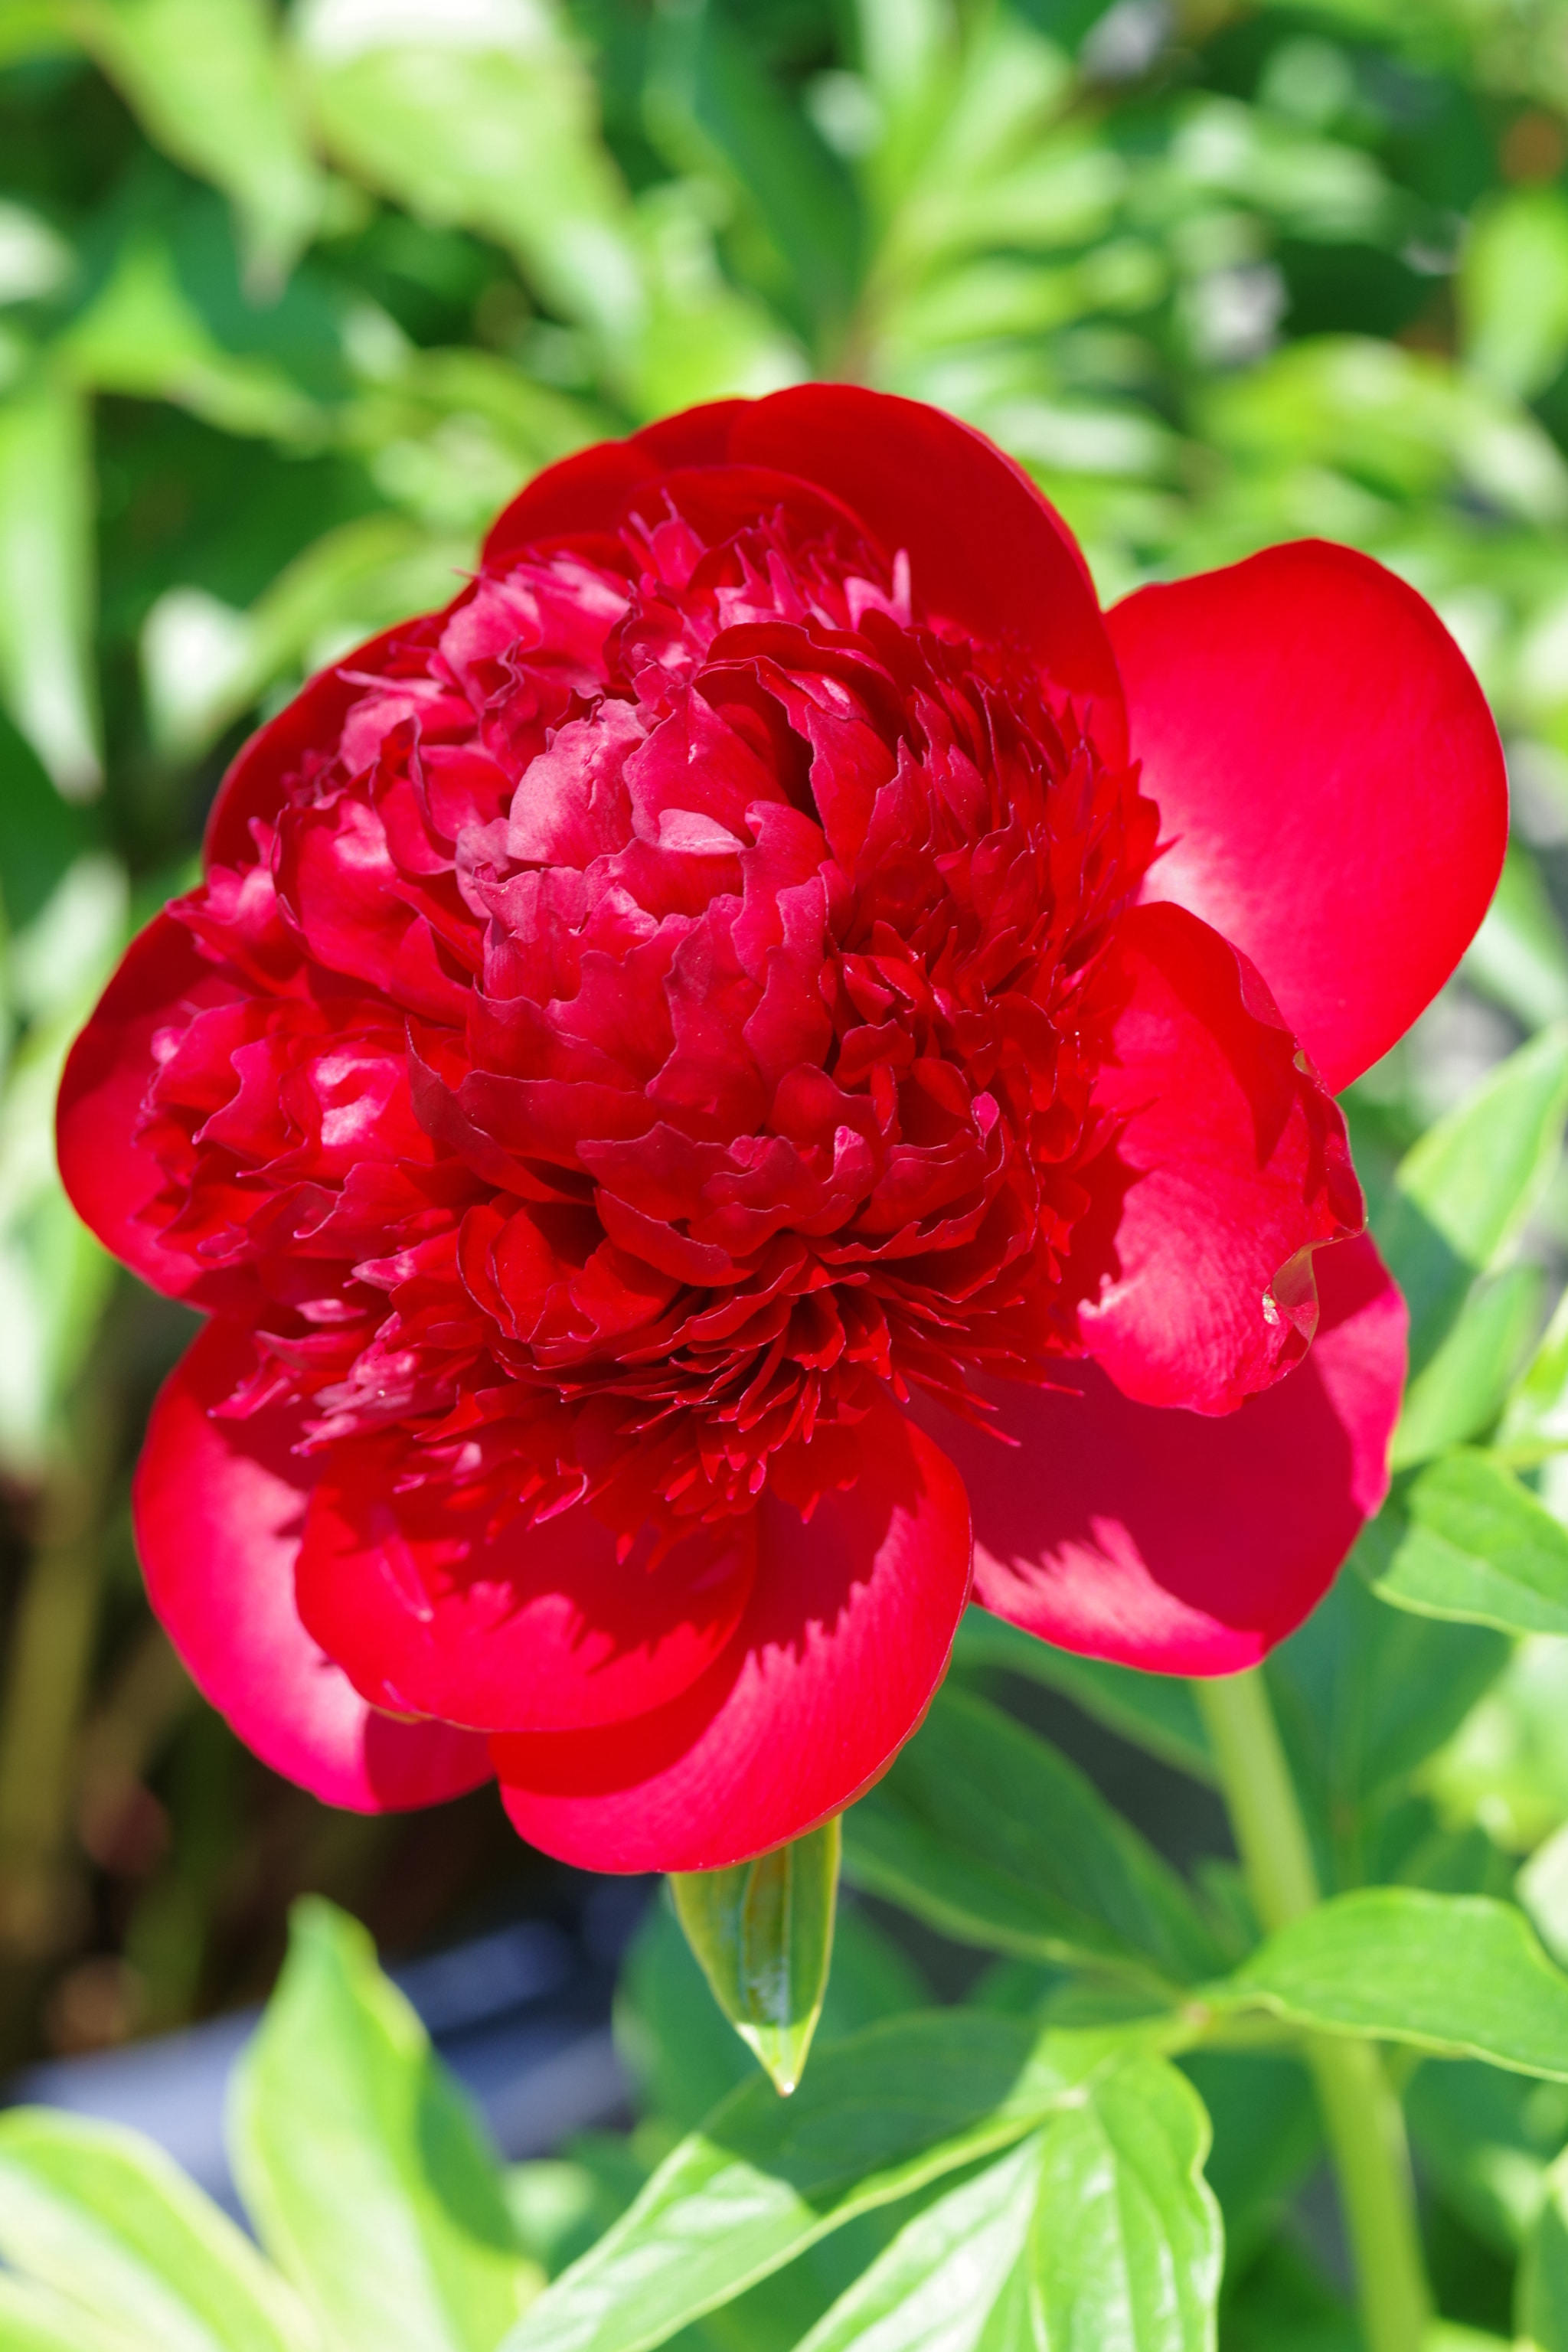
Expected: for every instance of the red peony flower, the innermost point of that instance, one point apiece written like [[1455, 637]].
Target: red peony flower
[[767, 1031]]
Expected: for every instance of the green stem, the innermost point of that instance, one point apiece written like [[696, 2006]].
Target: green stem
[[1363, 2119]]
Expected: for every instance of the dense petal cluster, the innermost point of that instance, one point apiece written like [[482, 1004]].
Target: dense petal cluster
[[682, 1061]]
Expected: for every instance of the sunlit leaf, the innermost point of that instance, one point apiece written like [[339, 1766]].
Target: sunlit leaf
[[1456, 1974], [206, 78], [878, 2116], [1461, 1538], [361, 2164], [1458, 1391], [103, 2218], [1126, 2248]]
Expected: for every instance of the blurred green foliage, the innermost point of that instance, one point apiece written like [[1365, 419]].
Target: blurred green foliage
[[293, 298]]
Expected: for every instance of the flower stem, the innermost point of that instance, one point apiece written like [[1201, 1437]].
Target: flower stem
[[1363, 2119]]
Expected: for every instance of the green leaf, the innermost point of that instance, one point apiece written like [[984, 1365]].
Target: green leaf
[[1519, 956], [1460, 1389], [484, 115], [103, 2217], [1462, 1539], [953, 2275], [1157, 1712], [1512, 288], [879, 2115], [1462, 1195], [46, 582], [1485, 2139], [205, 78], [142, 336], [1267, 2139], [991, 1835], [1126, 2246], [33, 2319], [763, 1933], [1506, 1767], [1364, 1694], [1458, 1974], [1543, 2286], [1536, 1419], [360, 2162]]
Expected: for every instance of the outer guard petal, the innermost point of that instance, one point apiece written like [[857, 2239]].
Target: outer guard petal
[[541, 1629], [987, 552], [1230, 1166], [846, 1636], [107, 1174], [218, 1506], [1327, 769], [1182, 1544]]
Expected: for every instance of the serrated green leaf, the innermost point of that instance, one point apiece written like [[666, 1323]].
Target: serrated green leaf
[[955, 2277], [990, 1834], [1460, 1389], [1126, 2249], [206, 81], [101, 2216], [1462, 1539], [1456, 1974], [1157, 1712], [361, 2163], [1461, 1196], [763, 1933], [878, 2117], [46, 496]]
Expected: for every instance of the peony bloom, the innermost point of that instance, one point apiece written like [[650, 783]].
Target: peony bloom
[[769, 1059]]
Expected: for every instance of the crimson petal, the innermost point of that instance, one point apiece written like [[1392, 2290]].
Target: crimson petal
[[1329, 774], [846, 1637], [1229, 1167], [988, 554], [1182, 1544], [109, 1177], [219, 1506], [538, 1628]]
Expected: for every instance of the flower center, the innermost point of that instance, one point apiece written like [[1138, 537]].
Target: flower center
[[654, 1016]]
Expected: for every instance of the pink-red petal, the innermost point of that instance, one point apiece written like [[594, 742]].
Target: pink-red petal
[[219, 1508], [1181, 1544], [109, 1177], [847, 1636], [1329, 774], [1228, 1169], [539, 1628]]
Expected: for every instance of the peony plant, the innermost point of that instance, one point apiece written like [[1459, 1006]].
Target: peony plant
[[765, 1075]]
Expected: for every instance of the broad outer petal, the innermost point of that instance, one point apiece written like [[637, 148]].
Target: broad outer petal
[[846, 1638], [988, 553], [1228, 1169], [542, 1628], [1328, 770], [1180, 1544], [109, 1176], [219, 1507]]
